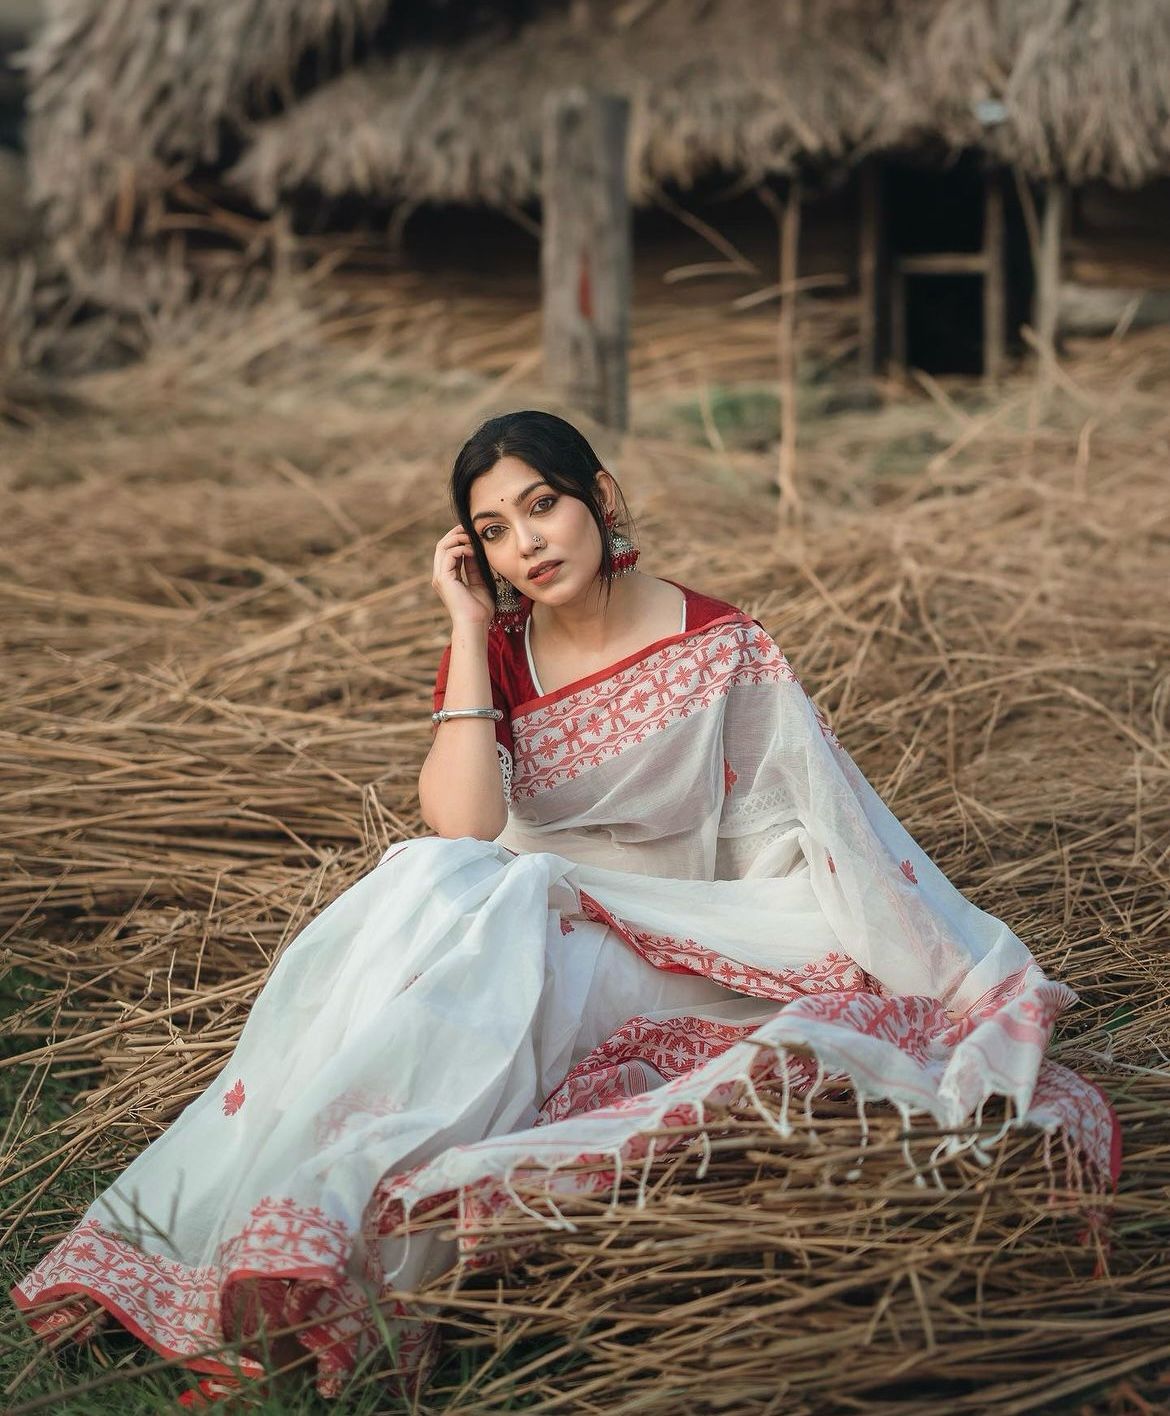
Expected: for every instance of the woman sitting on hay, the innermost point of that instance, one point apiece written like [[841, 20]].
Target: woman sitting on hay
[[658, 882]]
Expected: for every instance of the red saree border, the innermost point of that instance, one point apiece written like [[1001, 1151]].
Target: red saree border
[[832, 973], [591, 680], [614, 1070], [579, 729]]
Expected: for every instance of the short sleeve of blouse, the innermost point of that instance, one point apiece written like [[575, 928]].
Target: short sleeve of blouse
[[499, 693]]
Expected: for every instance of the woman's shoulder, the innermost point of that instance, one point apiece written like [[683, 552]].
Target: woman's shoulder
[[703, 609]]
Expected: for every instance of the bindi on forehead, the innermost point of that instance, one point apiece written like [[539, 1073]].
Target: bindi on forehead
[[516, 500]]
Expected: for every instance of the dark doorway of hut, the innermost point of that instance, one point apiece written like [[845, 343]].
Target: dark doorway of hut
[[960, 277]]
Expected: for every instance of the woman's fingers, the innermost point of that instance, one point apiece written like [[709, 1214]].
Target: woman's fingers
[[455, 565], [448, 563]]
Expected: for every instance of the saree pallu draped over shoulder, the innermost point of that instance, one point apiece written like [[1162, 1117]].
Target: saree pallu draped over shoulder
[[696, 889]]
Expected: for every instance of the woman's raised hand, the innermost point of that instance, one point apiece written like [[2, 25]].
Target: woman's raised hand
[[469, 603]]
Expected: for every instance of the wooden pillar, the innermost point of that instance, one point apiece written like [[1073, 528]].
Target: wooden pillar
[[872, 270], [1046, 303], [789, 266], [898, 341], [587, 253], [994, 279]]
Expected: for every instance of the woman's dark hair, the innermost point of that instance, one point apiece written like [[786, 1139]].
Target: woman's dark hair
[[550, 446]]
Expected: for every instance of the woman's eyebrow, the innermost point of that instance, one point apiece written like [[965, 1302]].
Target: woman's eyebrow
[[516, 500]]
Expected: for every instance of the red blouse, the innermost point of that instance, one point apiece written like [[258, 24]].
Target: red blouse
[[511, 680]]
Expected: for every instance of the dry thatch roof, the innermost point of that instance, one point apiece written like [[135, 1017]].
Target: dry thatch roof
[[122, 96], [127, 96], [748, 86], [1084, 84]]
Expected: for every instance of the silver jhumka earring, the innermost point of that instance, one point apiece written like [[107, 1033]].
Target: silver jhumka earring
[[622, 551], [509, 613]]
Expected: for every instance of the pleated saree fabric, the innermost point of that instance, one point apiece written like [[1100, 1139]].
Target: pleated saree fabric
[[697, 889]]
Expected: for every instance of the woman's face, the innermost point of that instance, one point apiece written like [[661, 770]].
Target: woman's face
[[525, 523]]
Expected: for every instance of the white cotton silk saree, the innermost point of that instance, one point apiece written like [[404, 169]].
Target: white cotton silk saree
[[696, 890]]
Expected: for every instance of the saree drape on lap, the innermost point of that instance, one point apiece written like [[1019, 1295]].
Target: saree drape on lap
[[696, 888]]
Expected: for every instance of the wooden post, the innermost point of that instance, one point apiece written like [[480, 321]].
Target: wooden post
[[587, 253], [787, 214], [1046, 304], [994, 281], [789, 262], [872, 273], [898, 340]]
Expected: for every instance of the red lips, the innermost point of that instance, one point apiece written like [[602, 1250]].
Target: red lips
[[544, 565]]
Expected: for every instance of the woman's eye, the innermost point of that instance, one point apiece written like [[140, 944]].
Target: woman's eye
[[537, 505]]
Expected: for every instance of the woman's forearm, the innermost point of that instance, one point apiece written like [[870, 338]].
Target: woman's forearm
[[460, 788]]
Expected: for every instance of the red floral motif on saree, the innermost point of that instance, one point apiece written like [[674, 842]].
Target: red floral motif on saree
[[832, 973], [558, 740], [616, 1069], [910, 1023], [350, 1110], [1051, 1000], [233, 1099], [287, 1264], [178, 1305], [1085, 1113]]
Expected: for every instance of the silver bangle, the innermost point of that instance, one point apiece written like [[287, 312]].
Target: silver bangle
[[444, 713]]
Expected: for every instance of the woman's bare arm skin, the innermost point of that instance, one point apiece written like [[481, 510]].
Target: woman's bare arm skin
[[460, 788]]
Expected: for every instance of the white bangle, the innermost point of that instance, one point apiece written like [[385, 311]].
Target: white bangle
[[444, 713]]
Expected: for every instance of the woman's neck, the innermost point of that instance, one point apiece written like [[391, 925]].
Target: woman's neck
[[592, 623]]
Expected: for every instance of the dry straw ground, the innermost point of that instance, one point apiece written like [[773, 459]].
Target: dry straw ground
[[219, 637]]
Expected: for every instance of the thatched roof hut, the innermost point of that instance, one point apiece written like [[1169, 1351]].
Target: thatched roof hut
[[1076, 89], [750, 87], [406, 100], [124, 99]]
